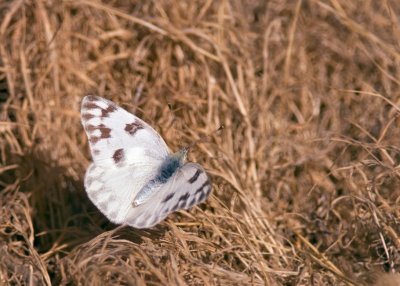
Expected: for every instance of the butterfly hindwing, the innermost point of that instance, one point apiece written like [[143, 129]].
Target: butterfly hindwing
[[112, 190], [189, 186], [117, 137]]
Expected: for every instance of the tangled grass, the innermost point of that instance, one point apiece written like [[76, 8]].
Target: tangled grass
[[305, 174]]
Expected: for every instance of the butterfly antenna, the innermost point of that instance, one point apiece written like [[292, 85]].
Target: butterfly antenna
[[172, 111], [204, 138]]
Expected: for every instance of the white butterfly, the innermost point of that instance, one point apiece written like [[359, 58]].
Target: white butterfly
[[133, 179]]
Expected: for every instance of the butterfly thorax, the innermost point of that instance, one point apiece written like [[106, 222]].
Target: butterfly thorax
[[168, 167]]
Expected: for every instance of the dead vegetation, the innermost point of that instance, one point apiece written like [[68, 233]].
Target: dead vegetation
[[305, 174]]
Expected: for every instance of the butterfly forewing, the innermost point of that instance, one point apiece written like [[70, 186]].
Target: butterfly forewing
[[116, 136]]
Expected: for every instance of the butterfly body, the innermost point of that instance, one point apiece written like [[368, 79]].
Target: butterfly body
[[134, 179]]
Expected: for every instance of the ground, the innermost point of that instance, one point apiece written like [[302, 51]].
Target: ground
[[305, 173]]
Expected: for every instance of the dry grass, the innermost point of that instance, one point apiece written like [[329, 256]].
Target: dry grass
[[305, 174]]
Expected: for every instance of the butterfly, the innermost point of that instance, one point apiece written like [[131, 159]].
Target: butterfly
[[133, 179]]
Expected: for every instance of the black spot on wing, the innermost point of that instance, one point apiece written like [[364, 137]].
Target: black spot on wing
[[91, 103], [107, 111], [105, 132], [202, 186], [203, 191], [192, 202], [87, 116], [182, 200], [175, 207], [202, 196], [118, 155], [195, 176], [131, 128], [94, 139], [184, 197], [167, 198], [89, 98]]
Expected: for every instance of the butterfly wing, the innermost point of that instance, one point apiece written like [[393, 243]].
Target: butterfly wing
[[126, 153], [189, 186], [112, 190], [117, 137]]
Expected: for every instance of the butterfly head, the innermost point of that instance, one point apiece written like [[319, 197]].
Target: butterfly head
[[182, 154]]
